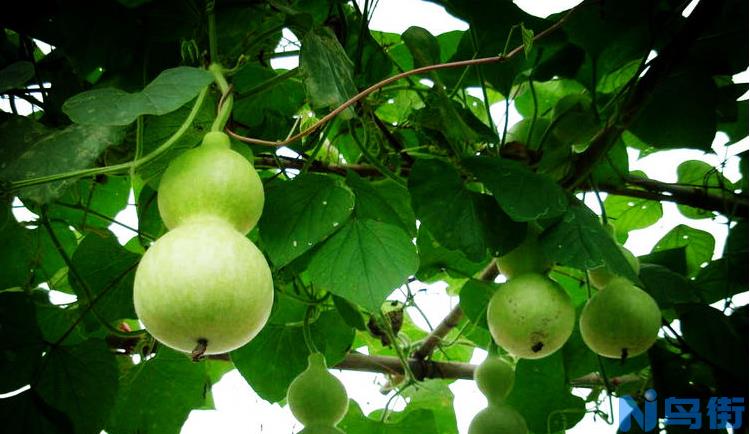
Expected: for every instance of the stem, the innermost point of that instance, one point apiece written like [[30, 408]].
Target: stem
[[117, 168], [440, 66], [306, 330], [213, 47], [227, 99]]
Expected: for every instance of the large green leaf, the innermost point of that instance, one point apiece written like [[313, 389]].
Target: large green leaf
[[680, 113], [384, 201], [278, 354], [103, 276], [475, 297], [261, 92], [423, 46], [421, 421], [542, 396], [300, 213], [458, 218], [701, 175], [435, 259], [60, 151], [21, 342], [80, 381], [92, 202], [326, 69], [27, 413], [364, 262], [15, 75], [15, 263], [580, 241], [523, 194], [699, 246], [629, 213], [112, 107], [157, 395], [710, 334]]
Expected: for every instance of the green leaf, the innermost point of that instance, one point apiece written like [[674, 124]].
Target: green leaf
[[261, 93], [326, 69], [107, 271], [475, 297], [419, 421], [699, 246], [157, 129], [709, 333], [27, 413], [364, 262], [542, 396], [385, 202], [700, 175], [521, 193], [92, 202], [433, 395], [301, 213], [423, 46], [15, 263], [278, 354], [458, 218], [15, 75], [21, 342], [630, 213], [548, 94], [80, 381], [112, 107], [667, 287], [435, 259], [580, 241], [350, 313], [158, 394], [680, 113], [75, 147]]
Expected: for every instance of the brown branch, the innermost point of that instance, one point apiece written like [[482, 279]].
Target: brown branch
[[729, 203], [451, 320], [338, 110]]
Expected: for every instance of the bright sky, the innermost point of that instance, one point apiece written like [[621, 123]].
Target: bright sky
[[240, 410]]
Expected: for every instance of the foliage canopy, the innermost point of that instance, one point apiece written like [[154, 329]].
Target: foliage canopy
[[128, 88]]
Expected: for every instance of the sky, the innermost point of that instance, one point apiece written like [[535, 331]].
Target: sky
[[240, 410]]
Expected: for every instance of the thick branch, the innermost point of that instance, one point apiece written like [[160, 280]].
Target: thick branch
[[451, 320]]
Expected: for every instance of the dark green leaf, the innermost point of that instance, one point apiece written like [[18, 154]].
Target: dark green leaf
[[667, 287], [680, 113], [15, 75], [673, 259], [113, 107], [261, 91], [522, 194], [700, 175], [327, 70], [364, 262], [385, 202], [107, 271], [27, 413], [435, 259], [158, 394], [15, 263], [458, 218], [542, 397], [92, 202], [21, 342], [75, 147], [423, 46], [80, 381], [278, 354], [709, 333], [301, 213], [475, 297], [350, 313], [580, 241]]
